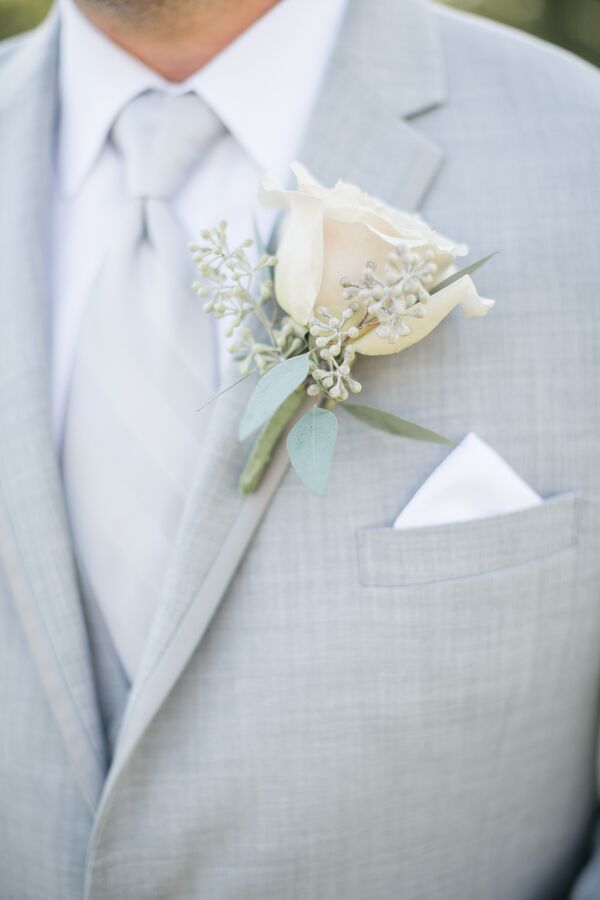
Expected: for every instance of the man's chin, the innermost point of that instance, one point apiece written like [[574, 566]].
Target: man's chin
[[144, 8]]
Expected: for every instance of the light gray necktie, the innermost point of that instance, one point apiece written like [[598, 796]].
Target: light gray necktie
[[145, 362]]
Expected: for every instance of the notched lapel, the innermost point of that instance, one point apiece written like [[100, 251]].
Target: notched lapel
[[377, 76], [386, 70], [365, 141], [34, 539]]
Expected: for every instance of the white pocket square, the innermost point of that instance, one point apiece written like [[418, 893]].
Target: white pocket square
[[471, 483]]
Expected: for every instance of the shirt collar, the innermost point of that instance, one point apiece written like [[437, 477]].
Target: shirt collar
[[262, 86]]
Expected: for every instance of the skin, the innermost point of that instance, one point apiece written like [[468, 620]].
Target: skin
[[174, 37]]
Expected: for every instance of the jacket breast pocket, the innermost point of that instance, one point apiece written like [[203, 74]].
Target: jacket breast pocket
[[399, 558]]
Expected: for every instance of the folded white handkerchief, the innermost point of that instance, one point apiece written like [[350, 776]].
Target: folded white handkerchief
[[471, 483]]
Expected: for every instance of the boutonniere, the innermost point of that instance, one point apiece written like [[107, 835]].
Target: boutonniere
[[350, 276]]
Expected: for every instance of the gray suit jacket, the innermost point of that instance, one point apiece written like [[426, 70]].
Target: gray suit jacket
[[328, 708]]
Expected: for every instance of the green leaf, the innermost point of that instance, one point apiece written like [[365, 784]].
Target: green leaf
[[310, 447], [386, 421], [468, 270], [270, 392]]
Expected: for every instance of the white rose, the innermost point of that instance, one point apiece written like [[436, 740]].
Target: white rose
[[330, 233]]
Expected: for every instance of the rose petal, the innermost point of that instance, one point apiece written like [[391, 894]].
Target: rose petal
[[461, 292], [304, 177], [299, 269], [271, 194], [348, 248], [474, 306]]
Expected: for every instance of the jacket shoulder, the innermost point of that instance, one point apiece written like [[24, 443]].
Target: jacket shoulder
[[12, 45], [28, 63], [529, 69]]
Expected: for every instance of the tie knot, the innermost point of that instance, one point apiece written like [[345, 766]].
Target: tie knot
[[161, 139]]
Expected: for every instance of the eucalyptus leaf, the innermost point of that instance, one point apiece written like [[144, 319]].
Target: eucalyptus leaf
[[385, 421], [310, 445], [270, 392], [468, 270]]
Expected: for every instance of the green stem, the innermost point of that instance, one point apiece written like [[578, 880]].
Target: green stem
[[267, 440]]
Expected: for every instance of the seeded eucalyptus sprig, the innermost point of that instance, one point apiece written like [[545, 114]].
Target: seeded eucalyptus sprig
[[238, 290], [381, 303]]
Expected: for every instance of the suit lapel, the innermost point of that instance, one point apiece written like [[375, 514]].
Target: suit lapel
[[34, 540], [386, 70], [358, 134], [216, 529]]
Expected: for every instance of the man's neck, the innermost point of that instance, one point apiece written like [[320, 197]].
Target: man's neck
[[177, 45]]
